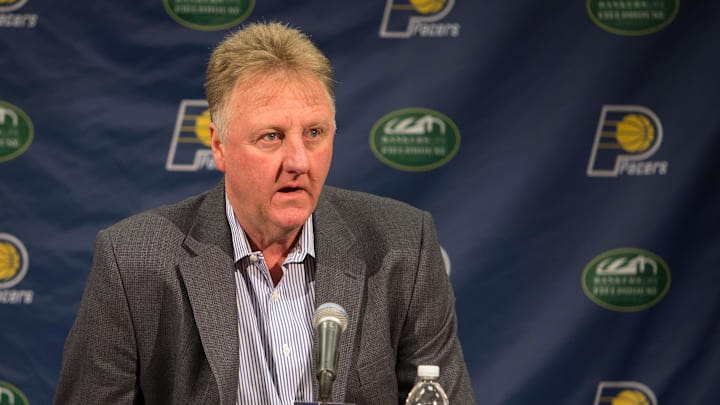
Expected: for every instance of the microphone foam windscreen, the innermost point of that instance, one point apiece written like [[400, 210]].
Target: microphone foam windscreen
[[332, 312]]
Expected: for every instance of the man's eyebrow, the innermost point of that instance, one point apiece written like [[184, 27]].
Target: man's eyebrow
[[321, 122]]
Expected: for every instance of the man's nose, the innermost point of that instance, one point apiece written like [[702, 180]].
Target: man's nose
[[296, 159]]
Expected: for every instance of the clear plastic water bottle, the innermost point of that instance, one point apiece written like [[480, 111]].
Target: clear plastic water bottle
[[427, 389]]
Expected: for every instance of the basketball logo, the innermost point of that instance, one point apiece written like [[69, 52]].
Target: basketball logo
[[626, 137], [630, 397], [635, 133], [624, 393], [202, 128], [13, 261], [11, 5], [190, 145], [428, 6], [9, 261], [421, 18]]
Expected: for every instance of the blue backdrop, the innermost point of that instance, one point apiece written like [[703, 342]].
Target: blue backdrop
[[569, 152]]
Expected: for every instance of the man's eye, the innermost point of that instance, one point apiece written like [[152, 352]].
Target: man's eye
[[314, 133], [270, 137]]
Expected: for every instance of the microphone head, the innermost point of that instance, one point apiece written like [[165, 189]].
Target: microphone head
[[330, 311]]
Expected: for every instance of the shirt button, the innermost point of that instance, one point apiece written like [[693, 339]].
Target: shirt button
[[275, 295], [286, 350], [253, 259]]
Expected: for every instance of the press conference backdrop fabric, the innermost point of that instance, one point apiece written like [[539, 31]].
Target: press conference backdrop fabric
[[569, 152]]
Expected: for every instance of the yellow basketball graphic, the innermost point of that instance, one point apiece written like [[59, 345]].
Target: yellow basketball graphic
[[635, 133], [9, 261], [630, 397], [202, 128], [428, 6]]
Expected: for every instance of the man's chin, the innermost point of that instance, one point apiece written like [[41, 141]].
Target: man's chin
[[292, 218]]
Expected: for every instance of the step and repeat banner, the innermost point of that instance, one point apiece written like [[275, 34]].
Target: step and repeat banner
[[569, 152]]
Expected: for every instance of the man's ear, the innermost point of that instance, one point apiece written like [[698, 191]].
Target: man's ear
[[218, 148]]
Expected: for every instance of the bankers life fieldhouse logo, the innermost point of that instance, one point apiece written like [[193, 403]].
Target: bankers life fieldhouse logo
[[10, 18], [626, 279], [16, 131], [209, 15], [421, 18], [632, 17], [415, 139], [627, 137], [11, 395]]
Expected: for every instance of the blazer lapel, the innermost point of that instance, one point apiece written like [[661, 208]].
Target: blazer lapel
[[208, 277], [339, 278]]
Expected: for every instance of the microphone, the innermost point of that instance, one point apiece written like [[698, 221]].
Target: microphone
[[330, 321]]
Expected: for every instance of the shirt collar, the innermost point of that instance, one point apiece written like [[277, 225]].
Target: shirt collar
[[304, 246]]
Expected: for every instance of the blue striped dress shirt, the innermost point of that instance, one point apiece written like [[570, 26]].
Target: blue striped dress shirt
[[274, 322]]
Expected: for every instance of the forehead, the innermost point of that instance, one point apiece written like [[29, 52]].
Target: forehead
[[280, 88]]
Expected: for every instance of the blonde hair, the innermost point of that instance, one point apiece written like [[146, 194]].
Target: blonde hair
[[260, 48]]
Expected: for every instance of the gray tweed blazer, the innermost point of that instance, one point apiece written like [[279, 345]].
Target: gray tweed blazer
[[158, 321]]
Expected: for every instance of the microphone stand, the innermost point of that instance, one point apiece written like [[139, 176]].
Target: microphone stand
[[325, 379]]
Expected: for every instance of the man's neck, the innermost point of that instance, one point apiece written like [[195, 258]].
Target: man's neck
[[277, 245]]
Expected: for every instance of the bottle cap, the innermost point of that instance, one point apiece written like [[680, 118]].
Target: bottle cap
[[428, 371]]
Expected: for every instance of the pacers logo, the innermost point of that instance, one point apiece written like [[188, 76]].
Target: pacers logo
[[190, 146], [207, 15], [409, 18], [11, 395], [16, 131], [626, 137], [415, 139], [13, 268], [16, 20], [632, 17], [624, 393], [626, 279], [13, 261], [11, 5]]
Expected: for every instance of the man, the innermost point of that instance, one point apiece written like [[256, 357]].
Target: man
[[210, 301]]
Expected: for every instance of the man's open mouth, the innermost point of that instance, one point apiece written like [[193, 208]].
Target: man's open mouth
[[289, 189]]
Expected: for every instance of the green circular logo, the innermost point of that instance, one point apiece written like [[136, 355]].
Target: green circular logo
[[626, 280], [16, 131], [415, 139], [632, 17], [11, 395], [209, 15]]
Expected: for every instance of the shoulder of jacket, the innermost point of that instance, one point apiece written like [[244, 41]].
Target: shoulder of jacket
[[179, 214], [357, 206]]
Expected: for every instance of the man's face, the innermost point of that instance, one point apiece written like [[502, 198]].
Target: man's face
[[277, 152]]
